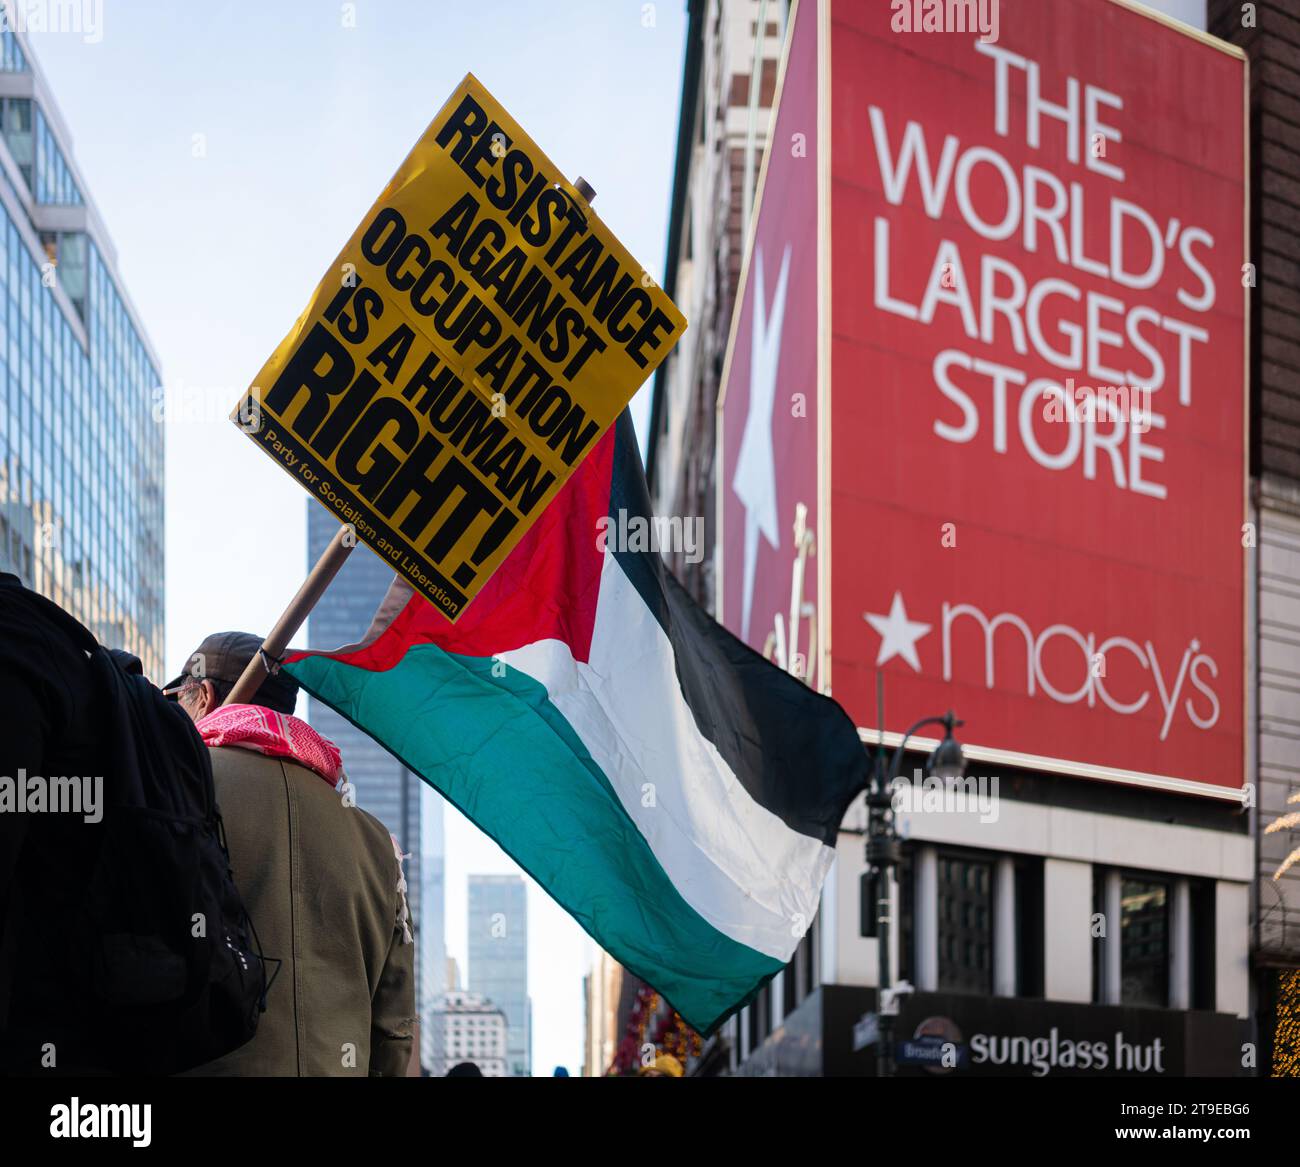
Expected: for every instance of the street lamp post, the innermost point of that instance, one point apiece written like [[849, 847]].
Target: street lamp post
[[884, 851]]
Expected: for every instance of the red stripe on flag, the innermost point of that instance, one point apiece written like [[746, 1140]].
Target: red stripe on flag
[[546, 589]]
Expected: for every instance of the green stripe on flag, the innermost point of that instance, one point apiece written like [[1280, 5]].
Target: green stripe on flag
[[498, 749]]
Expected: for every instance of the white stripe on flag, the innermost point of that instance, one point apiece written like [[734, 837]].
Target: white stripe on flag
[[734, 862]]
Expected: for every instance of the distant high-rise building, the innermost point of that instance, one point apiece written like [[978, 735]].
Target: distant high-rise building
[[81, 435], [607, 992], [498, 959], [467, 1028], [431, 924], [384, 787]]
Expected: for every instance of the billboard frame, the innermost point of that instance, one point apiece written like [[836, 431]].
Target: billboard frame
[[824, 547]]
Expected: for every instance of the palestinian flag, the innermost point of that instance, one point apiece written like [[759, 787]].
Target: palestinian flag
[[675, 792]]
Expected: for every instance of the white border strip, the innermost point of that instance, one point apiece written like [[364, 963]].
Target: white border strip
[[872, 737]]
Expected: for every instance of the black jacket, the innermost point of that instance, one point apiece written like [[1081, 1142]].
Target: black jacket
[[51, 723]]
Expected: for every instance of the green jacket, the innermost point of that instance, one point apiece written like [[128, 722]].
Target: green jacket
[[320, 881]]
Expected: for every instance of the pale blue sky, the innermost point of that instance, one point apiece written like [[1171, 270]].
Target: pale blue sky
[[231, 149]]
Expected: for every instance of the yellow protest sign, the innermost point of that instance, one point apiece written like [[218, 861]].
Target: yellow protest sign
[[474, 338]]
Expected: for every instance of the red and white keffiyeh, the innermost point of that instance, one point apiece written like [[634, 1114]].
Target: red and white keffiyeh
[[278, 735]]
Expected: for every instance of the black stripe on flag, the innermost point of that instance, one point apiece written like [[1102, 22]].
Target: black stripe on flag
[[796, 752]]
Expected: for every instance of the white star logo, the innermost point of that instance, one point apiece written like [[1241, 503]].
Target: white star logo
[[898, 634], [755, 478]]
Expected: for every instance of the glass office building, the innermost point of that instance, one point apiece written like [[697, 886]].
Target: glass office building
[[498, 960], [81, 434]]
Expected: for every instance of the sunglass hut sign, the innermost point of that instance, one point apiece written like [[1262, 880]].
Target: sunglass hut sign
[[1036, 1056]]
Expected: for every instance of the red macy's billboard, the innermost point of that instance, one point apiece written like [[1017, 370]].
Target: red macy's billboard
[[1027, 420]]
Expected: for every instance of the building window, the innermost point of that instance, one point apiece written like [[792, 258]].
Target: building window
[[1144, 942], [965, 925], [54, 181], [17, 126], [953, 907], [11, 55], [1135, 956], [67, 251]]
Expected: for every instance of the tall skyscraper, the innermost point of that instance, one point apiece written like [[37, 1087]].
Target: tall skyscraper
[[385, 788], [498, 959], [81, 448]]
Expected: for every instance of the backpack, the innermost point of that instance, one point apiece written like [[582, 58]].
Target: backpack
[[159, 966]]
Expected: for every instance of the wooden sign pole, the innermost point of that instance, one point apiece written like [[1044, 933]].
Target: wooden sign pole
[[277, 640]]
